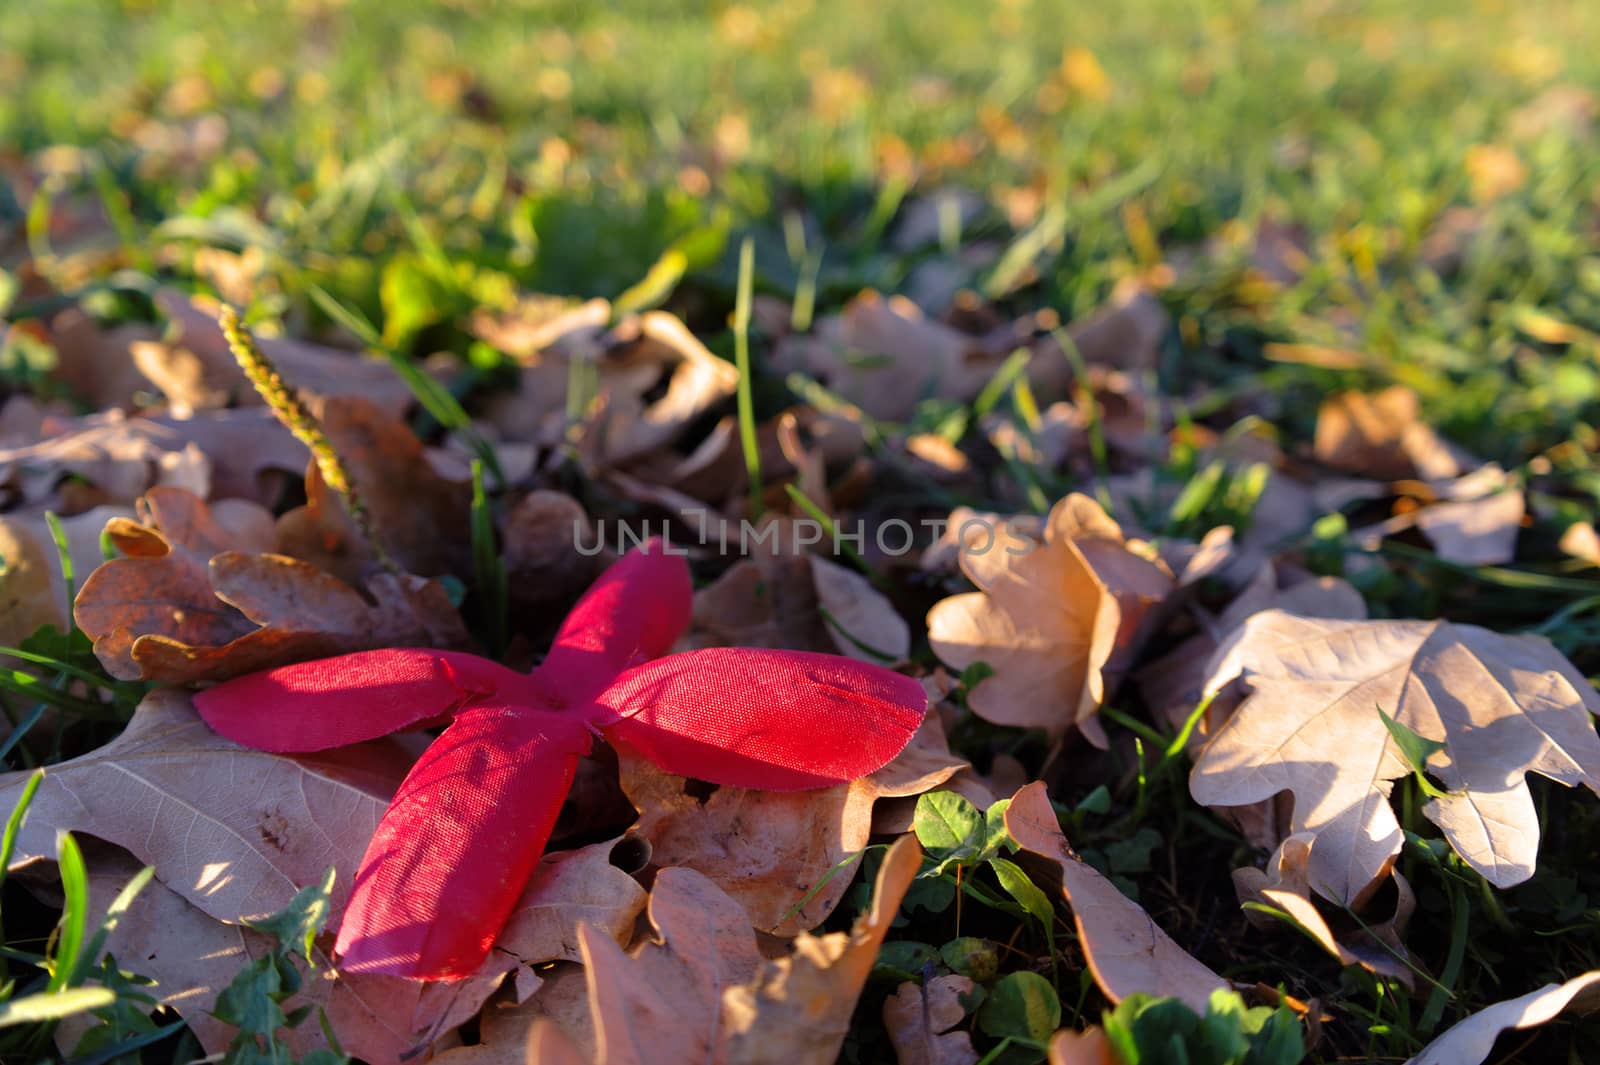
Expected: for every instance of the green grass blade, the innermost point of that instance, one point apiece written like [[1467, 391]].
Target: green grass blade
[[74, 912], [741, 355], [54, 1005]]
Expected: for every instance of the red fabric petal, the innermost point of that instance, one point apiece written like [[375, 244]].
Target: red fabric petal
[[633, 613], [774, 720], [458, 843], [334, 702]]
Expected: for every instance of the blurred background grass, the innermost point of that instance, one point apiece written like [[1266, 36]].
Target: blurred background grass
[[1429, 167]]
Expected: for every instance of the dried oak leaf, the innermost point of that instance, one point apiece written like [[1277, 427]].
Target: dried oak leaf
[[105, 458], [1375, 946], [198, 598], [192, 957], [1470, 1041], [1127, 952], [918, 1018], [798, 601], [885, 356], [655, 375], [1382, 435], [700, 990], [1057, 621], [218, 454], [798, 1009], [769, 849], [421, 516], [171, 791], [1502, 706]]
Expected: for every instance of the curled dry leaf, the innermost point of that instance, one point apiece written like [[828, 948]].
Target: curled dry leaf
[[1057, 621], [783, 597], [798, 1008], [1502, 706], [663, 1000], [1126, 950], [382, 1020], [1382, 434], [919, 1017], [197, 598], [1471, 1041], [632, 361], [541, 538], [885, 356], [1283, 886], [195, 369], [769, 849], [103, 459], [699, 990], [1125, 334], [421, 516]]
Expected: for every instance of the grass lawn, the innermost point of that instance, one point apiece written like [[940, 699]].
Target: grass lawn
[[1322, 195]]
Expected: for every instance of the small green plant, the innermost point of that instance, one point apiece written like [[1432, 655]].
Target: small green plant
[[253, 1002], [1145, 1030], [1020, 1008], [70, 980]]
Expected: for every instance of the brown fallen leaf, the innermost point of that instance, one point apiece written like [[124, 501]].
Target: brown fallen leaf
[[192, 957], [569, 889], [1088, 1047], [784, 597], [1174, 684], [699, 990], [919, 1017], [106, 458], [770, 849], [798, 1009], [186, 605], [1382, 435], [195, 369], [663, 1001], [1582, 542], [1470, 1041], [1503, 706], [1126, 334], [1057, 621], [33, 588], [96, 364], [656, 378], [421, 516], [1283, 886], [168, 790], [1476, 520], [1127, 952], [884, 356], [545, 569]]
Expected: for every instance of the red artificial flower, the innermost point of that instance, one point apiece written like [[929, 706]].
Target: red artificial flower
[[469, 822]]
